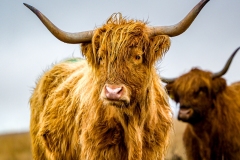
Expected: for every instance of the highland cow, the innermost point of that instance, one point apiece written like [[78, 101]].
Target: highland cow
[[111, 105], [211, 110]]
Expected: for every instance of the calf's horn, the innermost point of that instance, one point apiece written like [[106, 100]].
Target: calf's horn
[[66, 37], [180, 27], [86, 36], [225, 68]]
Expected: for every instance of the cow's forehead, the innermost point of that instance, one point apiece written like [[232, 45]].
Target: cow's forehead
[[192, 81], [118, 30], [119, 40]]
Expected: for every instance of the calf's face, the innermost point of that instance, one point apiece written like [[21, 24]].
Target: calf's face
[[122, 58]]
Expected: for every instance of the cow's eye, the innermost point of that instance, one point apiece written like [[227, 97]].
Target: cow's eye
[[203, 90], [137, 57], [200, 91]]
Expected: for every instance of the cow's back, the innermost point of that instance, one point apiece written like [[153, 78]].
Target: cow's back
[[236, 85]]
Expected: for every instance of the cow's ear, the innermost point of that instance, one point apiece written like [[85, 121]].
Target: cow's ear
[[87, 51], [218, 85], [158, 46]]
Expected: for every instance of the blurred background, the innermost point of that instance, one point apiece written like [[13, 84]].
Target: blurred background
[[27, 48]]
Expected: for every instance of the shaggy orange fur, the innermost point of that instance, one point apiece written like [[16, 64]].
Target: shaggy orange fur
[[212, 111], [71, 120]]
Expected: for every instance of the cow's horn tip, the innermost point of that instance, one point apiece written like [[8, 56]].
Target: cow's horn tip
[[28, 6]]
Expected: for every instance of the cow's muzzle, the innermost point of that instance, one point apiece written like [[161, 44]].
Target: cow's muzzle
[[185, 113], [115, 93]]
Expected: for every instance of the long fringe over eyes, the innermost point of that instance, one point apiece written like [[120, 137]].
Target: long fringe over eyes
[[118, 35]]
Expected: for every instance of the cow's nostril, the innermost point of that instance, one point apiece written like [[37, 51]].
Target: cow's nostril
[[113, 92]]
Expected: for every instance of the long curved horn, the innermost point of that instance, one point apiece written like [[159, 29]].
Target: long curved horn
[[180, 27], [66, 37], [225, 68], [168, 80], [86, 36], [215, 75]]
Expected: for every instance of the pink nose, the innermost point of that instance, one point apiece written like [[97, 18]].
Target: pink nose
[[113, 92]]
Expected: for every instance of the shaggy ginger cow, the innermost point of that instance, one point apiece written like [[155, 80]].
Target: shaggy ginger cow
[[111, 105], [212, 111]]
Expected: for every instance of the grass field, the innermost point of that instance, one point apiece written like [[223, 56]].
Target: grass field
[[17, 146], [176, 149]]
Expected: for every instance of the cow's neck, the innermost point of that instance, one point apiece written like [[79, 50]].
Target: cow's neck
[[137, 111], [133, 122]]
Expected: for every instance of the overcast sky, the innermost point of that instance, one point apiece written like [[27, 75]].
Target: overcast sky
[[27, 48]]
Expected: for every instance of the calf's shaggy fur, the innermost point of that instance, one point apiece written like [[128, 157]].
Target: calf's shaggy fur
[[72, 116]]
